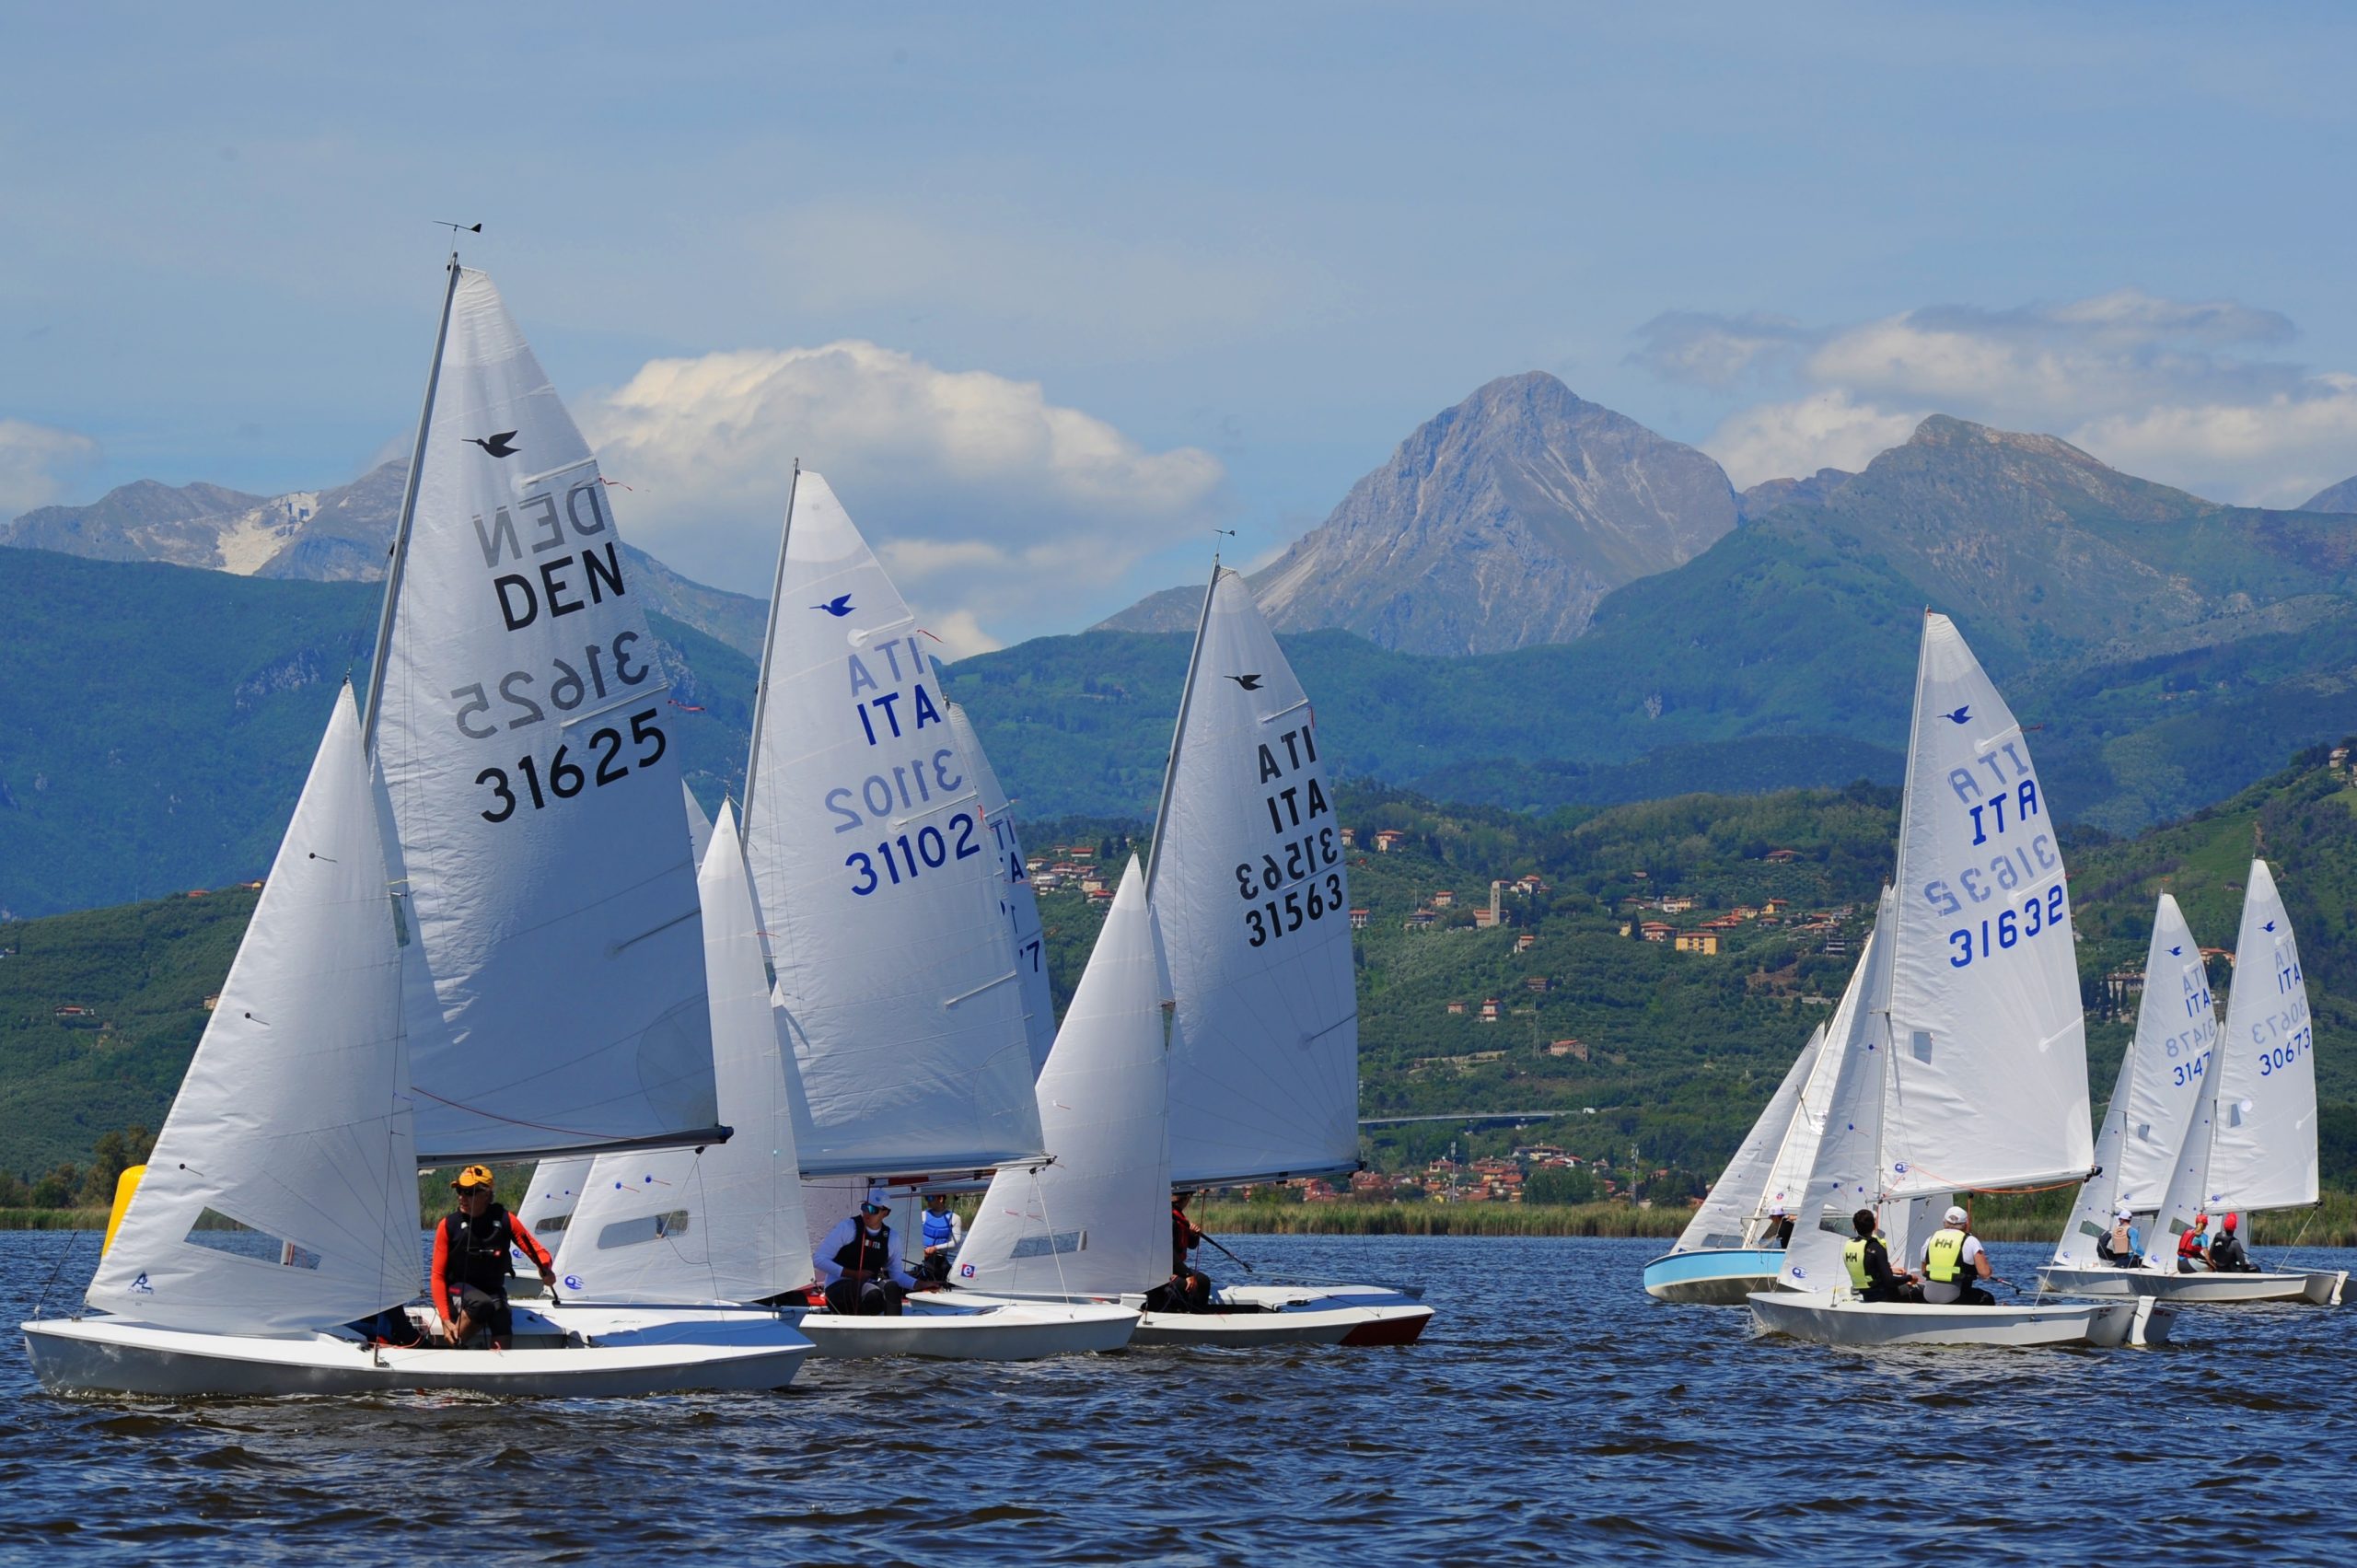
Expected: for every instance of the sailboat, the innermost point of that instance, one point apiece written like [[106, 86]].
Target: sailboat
[[1720, 1258], [2251, 1143], [1965, 1069], [279, 1207], [897, 990], [1017, 898], [1251, 893]]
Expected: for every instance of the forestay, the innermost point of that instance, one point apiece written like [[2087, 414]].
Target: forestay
[[873, 874], [2263, 1154], [1989, 1077], [1248, 885], [1842, 1178], [281, 1195], [1016, 895], [554, 964], [1096, 1222], [1740, 1193], [726, 1223]]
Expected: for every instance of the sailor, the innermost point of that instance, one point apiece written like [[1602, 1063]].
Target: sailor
[[2227, 1253], [942, 1232], [1779, 1233], [864, 1274], [2122, 1246], [1954, 1260], [2193, 1247], [1188, 1289], [470, 1263], [1868, 1261], [1185, 1235]]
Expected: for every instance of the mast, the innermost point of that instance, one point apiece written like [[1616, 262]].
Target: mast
[[768, 636], [400, 529], [1178, 732]]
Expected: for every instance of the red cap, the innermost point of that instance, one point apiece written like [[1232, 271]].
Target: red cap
[[2229, 1222]]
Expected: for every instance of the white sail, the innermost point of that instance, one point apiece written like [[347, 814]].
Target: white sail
[[281, 1195], [1740, 1193], [1015, 897], [1248, 885], [1842, 1178], [2091, 1211], [1788, 1173], [555, 978], [1096, 1222], [699, 825], [550, 1198], [2176, 1038], [723, 1224], [875, 878], [1988, 1084], [2263, 1149]]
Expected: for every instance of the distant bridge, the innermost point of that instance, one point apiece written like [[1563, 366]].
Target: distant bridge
[[1469, 1117]]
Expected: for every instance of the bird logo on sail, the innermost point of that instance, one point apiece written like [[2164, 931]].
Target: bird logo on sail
[[2270, 925], [839, 606], [141, 1286], [1249, 682], [2177, 952], [500, 445], [1959, 715]]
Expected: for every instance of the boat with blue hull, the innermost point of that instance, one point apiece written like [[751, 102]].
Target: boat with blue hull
[[1715, 1276]]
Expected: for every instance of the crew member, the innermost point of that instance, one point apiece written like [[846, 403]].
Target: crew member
[[2121, 1246], [2193, 1247], [1188, 1289], [1779, 1233], [1868, 1261], [864, 1274], [2227, 1253], [472, 1266], [942, 1234], [1954, 1264], [1185, 1235]]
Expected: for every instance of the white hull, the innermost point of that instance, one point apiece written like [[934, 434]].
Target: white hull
[[964, 1327], [1823, 1318], [113, 1355], [1282, 1315], [2322, 1286]]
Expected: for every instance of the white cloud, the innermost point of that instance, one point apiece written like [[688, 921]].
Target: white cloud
[[2184, 391], [986, 501], [35, 461], [1825, 431]]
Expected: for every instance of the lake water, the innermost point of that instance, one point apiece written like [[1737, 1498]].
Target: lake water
[[1551, 1412]]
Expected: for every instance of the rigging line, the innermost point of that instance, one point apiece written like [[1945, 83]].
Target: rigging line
[[1039, 1192], [72, 1239]]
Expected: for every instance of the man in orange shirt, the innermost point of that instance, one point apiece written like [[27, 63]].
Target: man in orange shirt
[[470, 1263]]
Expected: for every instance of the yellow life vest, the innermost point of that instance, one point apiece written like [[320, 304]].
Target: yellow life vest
[[1853, 1258], [1943, 1258]]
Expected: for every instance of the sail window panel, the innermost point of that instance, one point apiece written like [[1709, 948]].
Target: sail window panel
[[1058, 1244], [643, 1229], [217, 1232]]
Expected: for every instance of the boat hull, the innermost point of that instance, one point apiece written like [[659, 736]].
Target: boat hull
[[1713, 1276], [1822, 1318], [2323, 1287], [970, 1328], [1280, 1315], [110, 1356]]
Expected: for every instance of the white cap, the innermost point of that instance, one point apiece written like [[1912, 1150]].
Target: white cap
[[1955, 1216], [1777, 1213], [2123, 1213]]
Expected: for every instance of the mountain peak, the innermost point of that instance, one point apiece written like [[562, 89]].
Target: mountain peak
[[1947, 430], [1498, 523], [2341, 497]]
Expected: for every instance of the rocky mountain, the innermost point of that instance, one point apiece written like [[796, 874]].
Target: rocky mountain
[[1769, 495], [1499, 524], [321, 536], [2341, 497]]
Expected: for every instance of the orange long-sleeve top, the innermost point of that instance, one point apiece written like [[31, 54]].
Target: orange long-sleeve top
[[441, 1277]]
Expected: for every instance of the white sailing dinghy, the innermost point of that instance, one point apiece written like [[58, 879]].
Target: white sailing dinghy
[[2252, 1146], [1967, 1069], [898, 989], [1251, 895], [281, 1205], [1720, 1258]]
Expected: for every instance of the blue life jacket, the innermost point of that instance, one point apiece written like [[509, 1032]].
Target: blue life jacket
[[938, 1228]]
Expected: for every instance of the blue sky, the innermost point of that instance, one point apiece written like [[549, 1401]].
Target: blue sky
[[1050, 292]]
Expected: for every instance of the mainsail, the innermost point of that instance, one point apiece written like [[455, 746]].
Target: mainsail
[[1017, 898], [1842, 1178], [1094, 1223], [1740, 1193], [875, 877], [725, 1223], [281, 1195], [2263, 1147], [554, 962], [1989, 1072], [1248, 885]]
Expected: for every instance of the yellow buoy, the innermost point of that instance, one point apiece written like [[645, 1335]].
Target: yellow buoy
[[124, 1186]]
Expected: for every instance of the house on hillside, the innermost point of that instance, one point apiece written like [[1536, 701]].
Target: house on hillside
[[1525, 943], [1455, 1009], [1528, 885], [1490, 1010], [1677, 905], [1421, 921], [1706, 942], [1658, 930], [1444, 899], [1350, 837], [1774, 907], [1358, 920], [1782, 856], [1387, 839], [1575, 1048]]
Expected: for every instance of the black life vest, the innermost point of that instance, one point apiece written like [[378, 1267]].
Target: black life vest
[[475, 1252], [866, 1252]]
